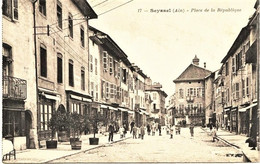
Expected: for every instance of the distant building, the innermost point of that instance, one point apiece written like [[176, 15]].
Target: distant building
[[190, 94], [158, 110]]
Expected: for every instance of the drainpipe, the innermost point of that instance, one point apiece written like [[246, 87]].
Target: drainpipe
[[36, 73]]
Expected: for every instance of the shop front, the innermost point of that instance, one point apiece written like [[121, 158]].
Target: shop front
[[234, 120]]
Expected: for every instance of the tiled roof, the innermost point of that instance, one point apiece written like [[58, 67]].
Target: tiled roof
[[193, 72]]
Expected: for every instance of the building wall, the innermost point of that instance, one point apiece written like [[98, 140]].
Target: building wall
[[23, 63], [196, 100]]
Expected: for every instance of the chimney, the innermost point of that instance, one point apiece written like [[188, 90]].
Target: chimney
[[204, 64], [196, 60]]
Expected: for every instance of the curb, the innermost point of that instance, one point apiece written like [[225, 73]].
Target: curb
[[245, 158], [83, 151]]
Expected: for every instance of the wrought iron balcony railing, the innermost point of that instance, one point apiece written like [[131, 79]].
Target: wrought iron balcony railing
[[14, 88]]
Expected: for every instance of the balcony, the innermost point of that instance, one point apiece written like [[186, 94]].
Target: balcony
[[14, 88], [155, 110]]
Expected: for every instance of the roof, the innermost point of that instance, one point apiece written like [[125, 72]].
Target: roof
[[193, 72], [85, 8], [239, 40], [106, 41]]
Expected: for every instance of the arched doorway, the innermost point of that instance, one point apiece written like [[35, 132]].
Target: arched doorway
[[28, 126]]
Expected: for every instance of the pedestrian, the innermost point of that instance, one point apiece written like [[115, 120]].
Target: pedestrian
[[191, 129], [171, 131], [217, 125], [125, 130], [160, 129], [214, 134], [142, 131], [148, 129], [121, 132], [132, 124], [111, 130], [228, 125], [153, 129], [253, 136], [138, 134], [134, 132]]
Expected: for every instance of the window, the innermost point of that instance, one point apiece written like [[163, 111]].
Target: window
[[124, 76], [243, 88], [91, 63], [10, 9], [59, 14], [233, 65], [227, 95], [154, 96], [202, 92], [198, 92], [59, 69], [70, 24], [227, 68], [107, 90], [13, 123], [111, 91], [247, 87], [237, 90], [154, 106], [96, 93], [96, 66], [82, 36], [82, 78], [71, 73], [7, 60], [105, 60], [92, 88], [103, 89], [42, 6], [188, 92], [46, 110], [118, 71], [43, 62], [110, 65], [180, 93]]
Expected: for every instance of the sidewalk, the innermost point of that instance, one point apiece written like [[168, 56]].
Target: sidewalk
[[237, 141], [63, 150]]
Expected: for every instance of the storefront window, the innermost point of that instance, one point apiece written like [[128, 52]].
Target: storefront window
[[12, 123]]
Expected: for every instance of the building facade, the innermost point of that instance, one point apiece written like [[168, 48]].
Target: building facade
[[190, 95]]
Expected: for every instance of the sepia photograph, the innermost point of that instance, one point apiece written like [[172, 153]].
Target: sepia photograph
[[140, 81]]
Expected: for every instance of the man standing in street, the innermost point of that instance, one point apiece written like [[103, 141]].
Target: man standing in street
[[132, 125], [191, 129], [160, 129], [111, 132], [142, 131]]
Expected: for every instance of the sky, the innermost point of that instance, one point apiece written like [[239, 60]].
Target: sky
[[163, 44]]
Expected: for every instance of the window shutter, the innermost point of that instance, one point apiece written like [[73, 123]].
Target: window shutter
[[15, 9]]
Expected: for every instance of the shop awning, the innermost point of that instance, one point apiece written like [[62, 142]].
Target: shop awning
[[110, 107], [56, 98], [131, 112], [76, 97], [104, 106], [123, 110], [87, 100], [248, 107]]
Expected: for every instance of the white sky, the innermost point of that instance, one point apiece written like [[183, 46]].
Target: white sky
[[164, 44]]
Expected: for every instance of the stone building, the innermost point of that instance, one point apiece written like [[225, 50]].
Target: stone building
[[190, 94], [18, 75], [158, 110], [239, 76], [57, 51]]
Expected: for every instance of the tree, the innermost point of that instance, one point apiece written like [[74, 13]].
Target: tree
[[76, 124], [96, 120]]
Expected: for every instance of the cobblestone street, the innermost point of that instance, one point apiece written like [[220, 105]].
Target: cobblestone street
[[182, 148]]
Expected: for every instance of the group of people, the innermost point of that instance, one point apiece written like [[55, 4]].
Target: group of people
[[112, 129]]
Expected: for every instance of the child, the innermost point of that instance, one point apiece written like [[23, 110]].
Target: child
[[121, 132]]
